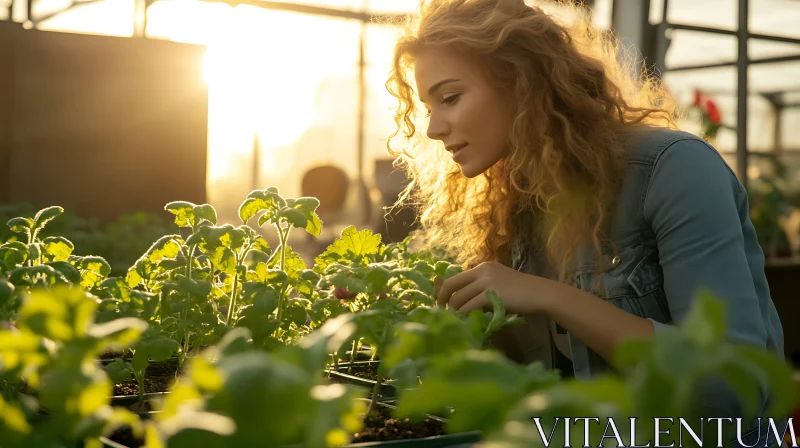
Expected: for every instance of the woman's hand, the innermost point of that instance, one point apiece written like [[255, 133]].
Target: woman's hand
[[521, 293]]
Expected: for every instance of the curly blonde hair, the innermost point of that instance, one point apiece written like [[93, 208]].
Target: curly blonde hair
[[574, 101]]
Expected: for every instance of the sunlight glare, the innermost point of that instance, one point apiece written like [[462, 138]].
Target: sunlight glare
[[257, 83]]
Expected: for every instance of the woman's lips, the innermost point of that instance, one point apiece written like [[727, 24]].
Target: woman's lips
[[458, 153]]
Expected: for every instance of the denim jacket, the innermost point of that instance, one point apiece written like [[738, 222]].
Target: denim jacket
[[681, 223]]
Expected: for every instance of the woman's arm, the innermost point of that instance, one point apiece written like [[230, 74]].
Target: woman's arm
[[693, 209], [600, 325]]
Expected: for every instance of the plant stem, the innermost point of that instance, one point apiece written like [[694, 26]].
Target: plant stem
[[233, 295], [284, 237], [375, 389], [140, 379], [352, 357]]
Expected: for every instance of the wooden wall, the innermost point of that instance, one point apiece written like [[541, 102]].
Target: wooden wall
[[101, 125]]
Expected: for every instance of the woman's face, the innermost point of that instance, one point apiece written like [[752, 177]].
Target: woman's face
[[471, 117]]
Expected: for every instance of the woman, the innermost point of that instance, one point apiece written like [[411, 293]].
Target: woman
[[560, 179]]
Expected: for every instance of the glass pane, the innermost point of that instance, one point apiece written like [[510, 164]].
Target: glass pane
[[352, 5], [4, 4], [759, 48], [790, 129], [392, 6], [710, 13], [195, 22], [695, 48], [300, 99], [792, 97], [774, 17], [775, 77]]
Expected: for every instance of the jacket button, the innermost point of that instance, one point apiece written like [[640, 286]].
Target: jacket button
[[616, 261]]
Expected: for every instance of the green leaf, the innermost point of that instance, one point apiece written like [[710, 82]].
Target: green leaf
[[440, 268], [223, 259], [705, 324], [744, 381], [58, 248], [314, 225], [46, 215], [14, 253], [275, 277], [260, 244], [140, 359], [779, 375], [293, 263], [306, 203], [183, 211], [96, 264], [294, 217], [264, 218], [21, 225], [6, 289], [452, 270], [261, 297], [258, 201], [207, 212], [67, 270], [117, 371], [200, 289], [162, 348], [630, 352], [164, 247], [34, 251], [95, 269], [498, 312], [352, 245], [423, 283], [295, 313]]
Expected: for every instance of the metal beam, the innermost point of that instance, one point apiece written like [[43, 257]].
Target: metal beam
[[795, 57], [73, 4], [741, 102], [313, 10], [705, 29]]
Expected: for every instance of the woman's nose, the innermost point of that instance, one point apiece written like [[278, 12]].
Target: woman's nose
[[437, 127]]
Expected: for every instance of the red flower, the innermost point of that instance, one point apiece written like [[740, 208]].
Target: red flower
[[713, 112], [697, 98]]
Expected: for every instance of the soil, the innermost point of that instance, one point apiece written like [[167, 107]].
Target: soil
[[158, 377], [378, 427], [113, 355], [124, 436], [382, 426]]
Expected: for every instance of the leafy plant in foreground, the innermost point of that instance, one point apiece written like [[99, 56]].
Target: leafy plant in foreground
[[667, 376], [236, 395], [35, 262], [53, 349]]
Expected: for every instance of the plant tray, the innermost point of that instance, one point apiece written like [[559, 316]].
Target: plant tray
[[457, 440], [387, 389]]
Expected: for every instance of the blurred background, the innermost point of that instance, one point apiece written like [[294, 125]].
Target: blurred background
[[112, 108]]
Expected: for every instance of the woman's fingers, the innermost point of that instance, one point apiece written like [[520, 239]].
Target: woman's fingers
[[465, 294], [453, 284], [475, 303], [437, 285]]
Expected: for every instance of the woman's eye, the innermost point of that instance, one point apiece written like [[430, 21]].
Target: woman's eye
[[451, 99]]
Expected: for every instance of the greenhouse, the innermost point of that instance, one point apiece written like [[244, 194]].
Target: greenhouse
[[399, 223]]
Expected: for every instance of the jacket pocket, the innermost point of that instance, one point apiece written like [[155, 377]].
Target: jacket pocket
[[635, 283]]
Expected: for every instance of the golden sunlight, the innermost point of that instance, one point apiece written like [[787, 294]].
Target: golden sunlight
[[252, 89]]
